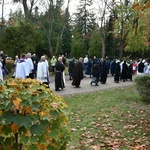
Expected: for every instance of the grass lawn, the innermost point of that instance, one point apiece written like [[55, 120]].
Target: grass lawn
[[109, 120]]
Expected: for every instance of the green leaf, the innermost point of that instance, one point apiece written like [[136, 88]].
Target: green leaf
[[34, 139], [8, 105], [36, 129], [22, 130], [44, 123], [6, 129], [2, 139], [16, 146], [42, 139], [2, 106], [54, 114], [23, 139], [55, 126], [36, 107], [8, 117], [49, 147], [8, 141], [32, 147], [24, 121], [54, 134]]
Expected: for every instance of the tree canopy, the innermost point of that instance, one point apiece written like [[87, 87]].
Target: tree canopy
[[115, 29]]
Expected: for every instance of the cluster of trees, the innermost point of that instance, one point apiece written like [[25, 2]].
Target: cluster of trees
[[115, 28]]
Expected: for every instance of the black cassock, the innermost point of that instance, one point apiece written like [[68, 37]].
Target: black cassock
[[59, 83], [77, 74]]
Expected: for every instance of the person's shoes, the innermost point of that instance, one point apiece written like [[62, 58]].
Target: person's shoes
[[78, 86], [91, 83], [57, 89], [96, 84]]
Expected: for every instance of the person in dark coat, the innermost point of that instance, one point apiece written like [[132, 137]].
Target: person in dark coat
[[112, 67], [129, 72], [88, 68], [140, 67], [103, 71], [78, 73], [95, 73], [117, 72], [124, 71], [59, 68], [71, 68]]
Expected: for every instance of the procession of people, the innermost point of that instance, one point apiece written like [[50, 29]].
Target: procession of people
[[28, 66]]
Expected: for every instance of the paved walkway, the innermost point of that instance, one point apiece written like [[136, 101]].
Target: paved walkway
[[86, 87]]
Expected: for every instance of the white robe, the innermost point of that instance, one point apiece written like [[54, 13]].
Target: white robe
[[30, 65], [1, 72], [42, 72], [21, 70]]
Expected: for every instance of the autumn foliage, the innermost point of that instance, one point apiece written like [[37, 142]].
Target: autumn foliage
[[143, 87], [32, 117]]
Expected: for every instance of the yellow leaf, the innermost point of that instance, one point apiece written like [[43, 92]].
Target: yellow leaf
[[17, 103], [26, 110], [14, 83], [9, 148], [1, 127], [44, 113], [42, 147], [14, 128], [1, 112]]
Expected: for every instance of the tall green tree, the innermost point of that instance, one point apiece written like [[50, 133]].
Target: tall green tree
[[123, 12], [110, 39], [84, 23], [138, 39], [53, 22], [19, 39], [95, 44], [67, 35]]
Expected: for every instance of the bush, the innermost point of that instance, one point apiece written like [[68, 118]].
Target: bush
[[143, 86], [10, 65], [32, 117]]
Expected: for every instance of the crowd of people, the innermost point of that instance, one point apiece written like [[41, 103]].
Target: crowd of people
[[28, 66]]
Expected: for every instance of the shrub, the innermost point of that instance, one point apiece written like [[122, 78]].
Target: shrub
[[143, 86], [32, 117], [9, 65]]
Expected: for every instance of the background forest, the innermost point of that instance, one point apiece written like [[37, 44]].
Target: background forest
[[116, 28]]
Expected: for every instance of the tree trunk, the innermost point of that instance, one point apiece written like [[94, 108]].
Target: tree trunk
[[121, 39], [103, 48]]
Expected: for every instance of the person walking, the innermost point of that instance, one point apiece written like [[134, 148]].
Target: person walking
[[95, 73], [78, 73], [104, 71], [21, 68], [53, 62], [140, 68], [71, 68], [30, 65], [117, 72], [59, 68], [42, 71], [88, 68], [124, 71]]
